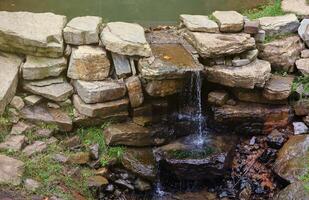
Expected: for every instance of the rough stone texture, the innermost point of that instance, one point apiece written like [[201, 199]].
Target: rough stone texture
[[143, 115], [292, 158], [97, 182], [303, 31], [100, 109], [229, 21], [21, 128], [122, 65], [8, 78], [31, 184], [301, 107], [17, 103], [42, 114], [162, 88], [305, 53], [55, 89], [199, 23], [88, 63], [36, 147], [282, 53], [252, 27], [13, 143], [299, 7], [300, 128], [82, 30], [33, 100], [248, 76], [294, 191], [11, 170], [80, 158], [254, 96], [210, 45], [135, 91], [100, 91], [125, 39], [218, 98], [303, 66], [278, 87], [39, 68], [279, 25], [38, 34]]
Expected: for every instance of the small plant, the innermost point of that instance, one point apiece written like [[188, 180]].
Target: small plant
[[112, 154], [301, 80], [272, 8], [269, 39]]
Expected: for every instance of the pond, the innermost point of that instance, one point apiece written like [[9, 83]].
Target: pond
[[146, 12]]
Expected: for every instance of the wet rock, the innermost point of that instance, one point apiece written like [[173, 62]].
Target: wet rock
[[17, 103], [100, 109], [142, 185], [55, 89], [268, 155], [276, 139], [293, 191], [135, 91], [248, 76], [301, 107], [143, 115], [140, 161], [11, 170], [97, 182], [303, 66], [218, 98], [36, 147], [36, 68], [124, 184], [291, 161], [252, 27], [229, 21], [82, 30], [33, 100], [80, 158], [217, 45], [31, 184], [125, 39], [279, 25], [14, 143], [188, 161], [199, 23], [100, 91], [8, 77], [299, 7], [88, 63], [282, 53], [162, 88], [122, 65], [300, 128], [278, 87], [20, 35], [42, 114]]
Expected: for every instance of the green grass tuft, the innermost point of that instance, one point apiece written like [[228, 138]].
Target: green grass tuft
[[301, 80], [273, 8]]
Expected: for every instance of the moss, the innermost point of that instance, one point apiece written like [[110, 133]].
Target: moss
[[272, 8]]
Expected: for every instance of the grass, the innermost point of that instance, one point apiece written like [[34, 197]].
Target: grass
[[301, 80], [269, 39], [273, 8], [5, 125]]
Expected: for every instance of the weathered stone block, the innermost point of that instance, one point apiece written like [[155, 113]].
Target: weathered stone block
[[229, 21], [135, 91], [199, 23]]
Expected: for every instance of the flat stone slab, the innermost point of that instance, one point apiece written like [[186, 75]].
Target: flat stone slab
[[299, 7], [38, 34], [88, 63], [55, 89], [249, 76], [199, 23], [279, 25], [36, 68], [100, 91], [8, 78], [303, 66], [229, 21], [82, 30], [100, 109], [125, 39], [278, 87], [210, 45], [11, 170], [254, 96]]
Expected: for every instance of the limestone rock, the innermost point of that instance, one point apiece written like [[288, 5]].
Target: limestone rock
[[291, 159], [125, 39], [199, 23], [162, 88], [89, 63], [279, 25], [17, 103], [248, 76], [295, 190], [82, 30], [303, 31], [55, 89], [303, 66], [11, 170], [39, 68], [19, 33], [218, 98], [36, 147], [282, 53], [8, 78], [229, 21], [13, 142], [299, 7], [100, 109], [278, 87], [210, 45], [135, 91], [100, 91]]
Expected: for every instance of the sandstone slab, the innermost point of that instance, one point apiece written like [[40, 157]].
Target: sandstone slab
[[135, 91], [303, 66], [162, 88], [229, 21], [299, 7], [19, 33], [11, 170], [199, 23], [278, 87]]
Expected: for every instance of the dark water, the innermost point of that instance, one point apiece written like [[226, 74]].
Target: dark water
[[147, 12]]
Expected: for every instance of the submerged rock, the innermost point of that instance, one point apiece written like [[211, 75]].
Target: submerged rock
[[229, 21], [199, 23], [11, 170]]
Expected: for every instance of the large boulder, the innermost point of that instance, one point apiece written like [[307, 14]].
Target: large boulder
[[294, 191], [11, 170], [249, 76], [125, 39], [292, 159], [162, 88], [278, 87], [229, 21], [299, 7], [303, 66], [211, 45], [8, 78], [82, 30], [279, 25], [303, 31], [39, 68], [38, 34], [282, 53], [199, 23], [100, 91], [89, 63]]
